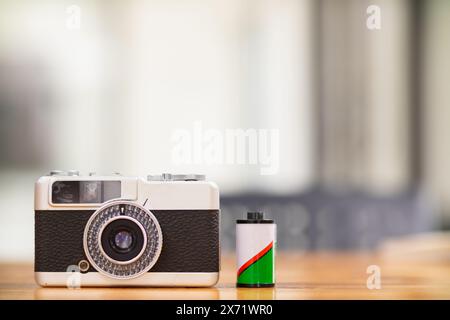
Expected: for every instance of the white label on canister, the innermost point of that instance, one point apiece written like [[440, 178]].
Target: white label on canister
[[251, 239]]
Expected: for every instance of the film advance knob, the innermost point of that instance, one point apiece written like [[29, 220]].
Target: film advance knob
[[189, 177], [57, 172]]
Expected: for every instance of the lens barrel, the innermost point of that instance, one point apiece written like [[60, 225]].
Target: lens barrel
[[122, 239]]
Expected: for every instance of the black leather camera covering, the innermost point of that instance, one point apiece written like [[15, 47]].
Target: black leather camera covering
[[190, 240]]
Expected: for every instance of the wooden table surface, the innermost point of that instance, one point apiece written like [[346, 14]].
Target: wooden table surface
[[414, 275]]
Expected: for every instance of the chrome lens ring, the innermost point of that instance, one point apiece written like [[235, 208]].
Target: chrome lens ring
[[112, 211]]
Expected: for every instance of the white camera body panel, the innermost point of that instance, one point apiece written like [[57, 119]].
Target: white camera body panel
[[160, 195]]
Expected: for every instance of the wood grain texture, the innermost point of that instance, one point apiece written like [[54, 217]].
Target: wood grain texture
[[299, 276]]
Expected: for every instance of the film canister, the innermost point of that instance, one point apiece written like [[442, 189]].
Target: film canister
[[255, 251]]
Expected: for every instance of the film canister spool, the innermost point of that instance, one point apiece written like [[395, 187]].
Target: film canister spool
[[255, 251]]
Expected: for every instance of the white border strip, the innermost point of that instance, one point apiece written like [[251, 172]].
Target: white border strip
[[150, 279]]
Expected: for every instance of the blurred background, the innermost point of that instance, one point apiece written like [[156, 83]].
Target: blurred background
[[363, 115]]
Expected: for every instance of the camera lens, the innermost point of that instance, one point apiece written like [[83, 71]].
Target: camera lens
[[123, 240]]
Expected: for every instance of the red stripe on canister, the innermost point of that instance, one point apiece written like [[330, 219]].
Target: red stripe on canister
[[255, 258]]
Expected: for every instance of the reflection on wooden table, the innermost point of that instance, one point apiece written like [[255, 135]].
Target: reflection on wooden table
[[422, 274]]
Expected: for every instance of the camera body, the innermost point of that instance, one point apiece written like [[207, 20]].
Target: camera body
[[126, 231]]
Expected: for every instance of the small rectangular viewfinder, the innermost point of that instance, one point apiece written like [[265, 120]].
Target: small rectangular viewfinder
[[85, 191]]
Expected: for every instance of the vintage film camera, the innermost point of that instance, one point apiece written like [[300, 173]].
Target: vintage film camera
[[162, 230]]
